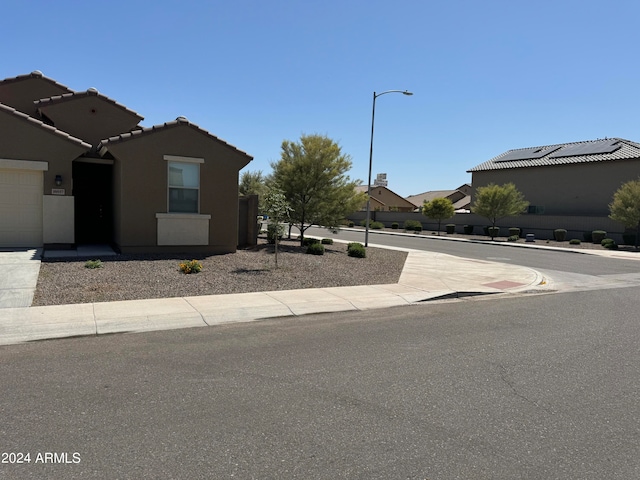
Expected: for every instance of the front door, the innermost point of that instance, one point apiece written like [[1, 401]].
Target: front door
[[93, 193]]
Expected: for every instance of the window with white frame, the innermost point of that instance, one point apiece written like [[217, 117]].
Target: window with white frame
[[184, 186]]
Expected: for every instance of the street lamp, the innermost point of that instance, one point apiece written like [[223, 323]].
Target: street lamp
[[373, 116]]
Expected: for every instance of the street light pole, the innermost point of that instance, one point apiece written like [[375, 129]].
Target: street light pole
[[373, 116]]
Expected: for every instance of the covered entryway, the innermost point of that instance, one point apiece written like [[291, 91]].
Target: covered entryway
[[20, 207], [93, 194]]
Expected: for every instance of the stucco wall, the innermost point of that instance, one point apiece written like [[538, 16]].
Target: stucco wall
[[141, 183], [573, 189]]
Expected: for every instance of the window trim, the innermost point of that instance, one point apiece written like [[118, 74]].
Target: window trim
[[185, 160]]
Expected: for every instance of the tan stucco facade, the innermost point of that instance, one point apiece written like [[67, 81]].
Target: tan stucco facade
[[572, 189]]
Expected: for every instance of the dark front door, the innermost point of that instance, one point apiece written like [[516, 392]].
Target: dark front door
[[93, 192]]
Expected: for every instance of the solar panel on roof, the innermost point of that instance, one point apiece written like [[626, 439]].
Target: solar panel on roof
[[588, 148], [527, 153]]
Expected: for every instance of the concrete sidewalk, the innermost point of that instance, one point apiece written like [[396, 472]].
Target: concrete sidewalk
[[425, 276]]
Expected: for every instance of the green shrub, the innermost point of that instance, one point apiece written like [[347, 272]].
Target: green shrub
[[485, 230], [351, 224], [451, 227], [629, 238], [376, 225], [598, 235], [315, 249], [190, 266], [560, 234], [410, 225], [273, 230], [513, 238], [395, 225], [605, 241], [588, 237], [611, 246], [309, 241], [574, 241], [493, 231], [93, 264], [355, 249], [327, 241], [468, 229], [514, 232]]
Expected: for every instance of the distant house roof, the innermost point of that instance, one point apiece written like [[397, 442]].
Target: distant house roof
[[91, 92], [34, 74], [35, 122], [458, 196], [400, 201], [178, 122], [600, 150]]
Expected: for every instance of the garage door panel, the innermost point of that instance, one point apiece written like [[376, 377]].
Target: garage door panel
[[20, 208]]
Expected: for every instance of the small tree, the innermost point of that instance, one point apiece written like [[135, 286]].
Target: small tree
[[438, 209], [277, 207], [254, 183], [498, 201], [312, 174], [625, 207]]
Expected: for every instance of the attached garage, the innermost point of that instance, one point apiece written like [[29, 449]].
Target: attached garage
[[21, 204]]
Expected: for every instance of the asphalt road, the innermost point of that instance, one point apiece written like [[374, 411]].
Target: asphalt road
[[550, 260], [531, 387]]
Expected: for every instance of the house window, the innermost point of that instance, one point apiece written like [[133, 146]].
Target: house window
[[535, 209], [184, 187]]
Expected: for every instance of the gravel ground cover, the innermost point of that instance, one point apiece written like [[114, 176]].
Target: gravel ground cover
[[133, 277]]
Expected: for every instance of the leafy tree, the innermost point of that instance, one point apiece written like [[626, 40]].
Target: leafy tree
[[277, 207], [625, 207], [312, 174], [254, 183], [497, 201], [438, 209]]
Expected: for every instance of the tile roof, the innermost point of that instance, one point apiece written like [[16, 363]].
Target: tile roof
[[34, 74], [178, 122], [91, 92], [23, 116], [627, 149]]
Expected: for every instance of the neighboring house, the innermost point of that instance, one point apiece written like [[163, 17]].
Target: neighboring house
[[576, 178], [76, 167], [460, 197], [385, 200]]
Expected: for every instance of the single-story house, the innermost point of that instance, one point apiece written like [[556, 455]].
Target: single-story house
[[385, 200], [77, 168], [460, 197], [577, 178]]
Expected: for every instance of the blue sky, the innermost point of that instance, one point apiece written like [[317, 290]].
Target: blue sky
[[487, 76]]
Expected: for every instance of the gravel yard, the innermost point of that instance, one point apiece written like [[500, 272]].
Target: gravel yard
[[132, 277]]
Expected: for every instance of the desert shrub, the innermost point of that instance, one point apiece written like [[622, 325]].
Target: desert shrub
[[467, 229], [493, 231], [309, 241], [451, 227], [514, 232], [560, 234], [574, 241], [351, 224], [629, 238], [605, 241], [598, 235], [376, 225], [513, 238], [588, 237], [395, 225], [355, 249], [412, 225], [611, 246], [327, 241], [273, 230], [93, 264], [190, 266], [315, 248]]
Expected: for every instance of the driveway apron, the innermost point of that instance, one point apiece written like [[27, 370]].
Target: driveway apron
[[19, 270]]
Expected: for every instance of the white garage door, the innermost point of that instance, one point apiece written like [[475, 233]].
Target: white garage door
[[20, 208]]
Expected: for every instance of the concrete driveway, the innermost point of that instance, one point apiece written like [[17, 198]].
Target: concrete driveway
[[19, 270]]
